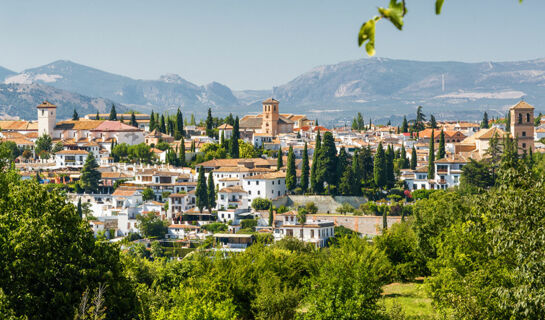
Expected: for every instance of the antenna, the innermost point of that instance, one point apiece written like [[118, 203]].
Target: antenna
[[443, 82]]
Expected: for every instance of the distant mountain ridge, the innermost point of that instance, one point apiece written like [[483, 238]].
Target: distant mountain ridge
[[377, 87]]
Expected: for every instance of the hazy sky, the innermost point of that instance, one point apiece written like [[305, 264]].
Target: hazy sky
[[253, 44]]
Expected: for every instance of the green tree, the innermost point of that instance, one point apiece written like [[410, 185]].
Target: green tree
[[211, 203], [420, 119], [90, 176], [201, 192], [314, 185], [271, 216], [484, 123], [181, 155], [405, 125], [379, 168], [133, 120], [75, 115], [162, 124], [113, 113], [179, 132], [279, 162], [433, 122], [261, 204], [413, 158], [305, 172], [342, 164], [441, 152], [404, 162], [327, 161], [233, 145], [476, 176], [291, 177], [431, 157], [97, 116], [390, 175], [209, 124], [366, 164], [346, 184], [148, 194], [79, 209], [152, 122], [151, 225], [43, 145]]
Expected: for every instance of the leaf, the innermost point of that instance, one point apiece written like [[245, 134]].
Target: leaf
[[367, 33], [439, 5], [394, 13]]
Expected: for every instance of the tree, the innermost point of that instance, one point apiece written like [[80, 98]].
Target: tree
[[327, 161], [148, 194], [420, 119], [508, 122], [97, 116], [211, 193], [358, 123], [291, 177], [151, 225], [305, 170], [346, 184], [162, 125], [209, 124], [43, 145], [271, 216], [405, 125], [233, 145], [379, 168], [90, 176], [201, 192], [75, 115], [261, 204], [404, 162], [152, 122], [366, 164], [79, 209], [179, 129], [441, 152], [192, 121], [390, 175], [413, 158], [133, 120], [181, 156], [433, 122], [314, 185], [9, 150], [476, 176], [342, 164], [431, 157], [484, 123], [113, 113], [279, 162]]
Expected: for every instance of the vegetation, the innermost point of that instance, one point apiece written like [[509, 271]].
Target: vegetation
[[90, 176]]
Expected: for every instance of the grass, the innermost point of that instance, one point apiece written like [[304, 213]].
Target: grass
[[409, 298]]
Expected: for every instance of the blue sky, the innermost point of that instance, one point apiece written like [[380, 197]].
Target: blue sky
[[254, 44]]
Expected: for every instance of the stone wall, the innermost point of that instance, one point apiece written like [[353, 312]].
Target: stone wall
[[366, 225], [325, 204]]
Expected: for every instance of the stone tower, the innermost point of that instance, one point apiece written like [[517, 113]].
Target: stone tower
[[269, 123], [522, 125], [47, 114]]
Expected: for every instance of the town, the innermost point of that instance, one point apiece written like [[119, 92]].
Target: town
[[265, 176]]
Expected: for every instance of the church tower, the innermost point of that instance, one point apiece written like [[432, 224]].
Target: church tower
[[47, 114], [522, 125], [269, 123]]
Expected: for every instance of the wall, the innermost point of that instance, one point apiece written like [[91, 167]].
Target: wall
[[366, 225], [325, 204]]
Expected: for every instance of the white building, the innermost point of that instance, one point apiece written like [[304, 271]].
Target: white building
[[180, 231], [71, 158], [316, 231], [178, 203], [232, 198], [268, 186]]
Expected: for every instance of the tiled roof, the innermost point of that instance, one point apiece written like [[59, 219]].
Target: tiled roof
[[111, 126], [268, 176], [522, 105], [46, 104], [81, 124], [225, 126], [235, 189], [271, 100], [17, 125], [72, 152]]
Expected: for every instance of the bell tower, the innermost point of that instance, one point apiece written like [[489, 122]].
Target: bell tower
[[47, 114], [269, 123], [522, 125]]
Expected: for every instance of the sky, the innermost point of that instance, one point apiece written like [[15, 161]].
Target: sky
[[255, 44]]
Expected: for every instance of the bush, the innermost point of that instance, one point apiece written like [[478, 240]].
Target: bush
[[248, 224], [311, 208], [215, 227], [261, 204], [346, 207]]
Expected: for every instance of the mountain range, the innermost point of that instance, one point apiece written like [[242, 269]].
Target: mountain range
[[379, 88]]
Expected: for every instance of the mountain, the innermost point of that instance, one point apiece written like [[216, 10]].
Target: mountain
[[167, 93], [382, 87], [20, 100], [379, 88]]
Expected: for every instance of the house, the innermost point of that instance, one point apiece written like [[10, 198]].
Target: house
[[226, 130], [315, 231], [268, 185], [180, 231], [71, 158], [448, 171], [232, 198], [233, 242], [178, 203], [154, 137]]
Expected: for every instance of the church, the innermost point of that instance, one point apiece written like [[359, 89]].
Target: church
[[272, 122]]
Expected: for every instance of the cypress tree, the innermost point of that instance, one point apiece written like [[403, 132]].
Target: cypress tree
[[179, 125], [163, 127], [403, 158], [192, 122], [271, 216], [405, 125], [305, 170], [211, 193], [342, 163], [181, 157], [80, 210], [413, 159], [433, 123], [234, 152], [170, 126], [201, 193], [313, 182], [508, 122], [327, 161], [113, 113], [133, 120], [390, 176], [431, 157], [209, 124], [192, 146], [98, 116], [441, 152], [366, 164], [346, 182], [291, 177], [152, 123], [222, 139], [279, 163], [379, 168], [75, 115], [484, 123]]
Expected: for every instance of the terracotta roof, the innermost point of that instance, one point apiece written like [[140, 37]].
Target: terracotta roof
[[183, 226], [268, 176], [453, 159], [82, 124], [522, 105], [46, 104], [17, 125], [125, 191], [73, 152], [271, 100], [232, 162], [225, 126], [114, 175], [113, 126]]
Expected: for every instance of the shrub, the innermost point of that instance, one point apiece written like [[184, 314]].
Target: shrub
[[261, 204]]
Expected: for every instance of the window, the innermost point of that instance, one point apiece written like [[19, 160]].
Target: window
[[257, 183], [273, 183], [258, 193], [524, 146], [312, 233], [524, 133], [527, 117], [520, 118]]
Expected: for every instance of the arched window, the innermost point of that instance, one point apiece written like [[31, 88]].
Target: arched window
[[527, 117], [274, 108], [520, 118], [524, 146]]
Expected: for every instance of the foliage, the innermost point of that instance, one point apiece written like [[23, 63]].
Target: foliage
[[215, 227], [315, 186], [151, 225], [261, 204], [327, 161], [291, 178], [211, 203], [311, 207], [43, 146], [113, 113], [305, 170], [248, 224], [345, 207], [202, 191], [148, 194], [90, 176]]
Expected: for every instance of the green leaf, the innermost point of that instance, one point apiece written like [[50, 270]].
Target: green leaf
[[439, 5], [367, 34], [394, 13]]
